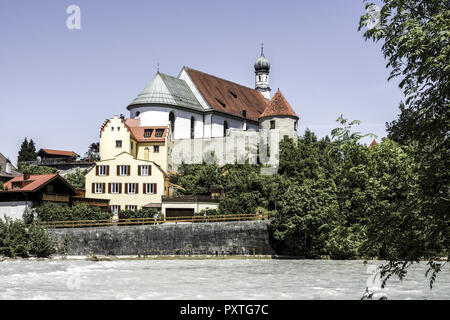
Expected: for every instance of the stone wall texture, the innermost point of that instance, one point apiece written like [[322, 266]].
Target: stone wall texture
[[237, 238]]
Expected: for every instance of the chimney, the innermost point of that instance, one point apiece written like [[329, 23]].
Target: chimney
[[26, 176]]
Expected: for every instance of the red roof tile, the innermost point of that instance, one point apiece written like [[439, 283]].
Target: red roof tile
[[373, 144], [58, 152], [229, 97], [34, 182], [138, 133], [278, 106]]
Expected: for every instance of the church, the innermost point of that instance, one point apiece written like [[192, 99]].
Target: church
[[185, 119], [199, 105]]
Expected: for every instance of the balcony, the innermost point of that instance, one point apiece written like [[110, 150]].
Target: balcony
[[55, 197]]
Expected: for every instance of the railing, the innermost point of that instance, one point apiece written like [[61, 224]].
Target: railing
[[55, 197], [190, 198], [146, 221], [54, 161]]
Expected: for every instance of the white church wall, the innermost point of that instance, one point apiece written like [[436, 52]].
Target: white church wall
[[159, 116]]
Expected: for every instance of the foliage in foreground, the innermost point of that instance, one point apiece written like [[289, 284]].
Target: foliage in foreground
[[18, 239], [49, 212], [138, 214]]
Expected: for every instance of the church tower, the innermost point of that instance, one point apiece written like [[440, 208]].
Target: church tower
[[262, 69], [279, 115]]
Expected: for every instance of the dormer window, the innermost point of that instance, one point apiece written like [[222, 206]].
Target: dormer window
[[221, 103], [233, 94], [147, 133], [17, 185], [159, 133]]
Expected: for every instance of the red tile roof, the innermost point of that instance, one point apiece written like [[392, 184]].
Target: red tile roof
[[373, 144], [58, 152], [137, 132], [34, 182], [229, 97], [278, 106]]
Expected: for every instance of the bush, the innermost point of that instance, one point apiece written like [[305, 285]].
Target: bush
[[49, 212], [18, 240], [210, 212], [139, 214]]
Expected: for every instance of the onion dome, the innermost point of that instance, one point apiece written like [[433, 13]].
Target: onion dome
[[262, 64]]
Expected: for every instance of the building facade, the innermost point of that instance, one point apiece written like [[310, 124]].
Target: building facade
[[172, 115]]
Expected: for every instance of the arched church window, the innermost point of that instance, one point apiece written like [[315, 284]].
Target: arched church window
[[172, 121], [225, 128], [192, 127]]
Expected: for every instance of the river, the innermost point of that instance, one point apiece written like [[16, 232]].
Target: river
[[207, 279]]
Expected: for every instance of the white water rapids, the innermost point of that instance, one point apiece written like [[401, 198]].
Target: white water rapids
[[208, 279]]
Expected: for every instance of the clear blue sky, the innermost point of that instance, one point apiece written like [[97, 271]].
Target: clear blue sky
[[59, 85]]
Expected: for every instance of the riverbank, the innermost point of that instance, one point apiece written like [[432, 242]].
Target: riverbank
[[181, 257]]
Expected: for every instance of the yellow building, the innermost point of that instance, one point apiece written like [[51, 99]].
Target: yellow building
[[132, 169]]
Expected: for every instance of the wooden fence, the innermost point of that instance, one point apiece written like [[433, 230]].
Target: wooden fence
[[147, 221]]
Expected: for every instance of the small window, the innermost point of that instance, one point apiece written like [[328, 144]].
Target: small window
[[192, 127], [233, 94], [159, 133], [147, 133], [244, 113], [118, 143], [150, 188], [295, 125], [50, 189], [225, 128], [131, 188], [155, 149], [130, 208], [112, 128], [123, 170], [115, 209], [115, 189], [145, 170], [102, 170], [118, 128], [17, 185], [98, 188], [221, 103], [272, 124]]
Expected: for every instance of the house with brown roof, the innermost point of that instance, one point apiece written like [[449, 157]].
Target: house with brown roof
[[28, 191]]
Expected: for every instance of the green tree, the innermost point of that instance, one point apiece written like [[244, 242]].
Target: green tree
[[27, 151], [93, 152], [415, 42], [77, 178], [32, 169]]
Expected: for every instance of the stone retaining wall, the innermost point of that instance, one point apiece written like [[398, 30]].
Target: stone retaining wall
[[237, 238]]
